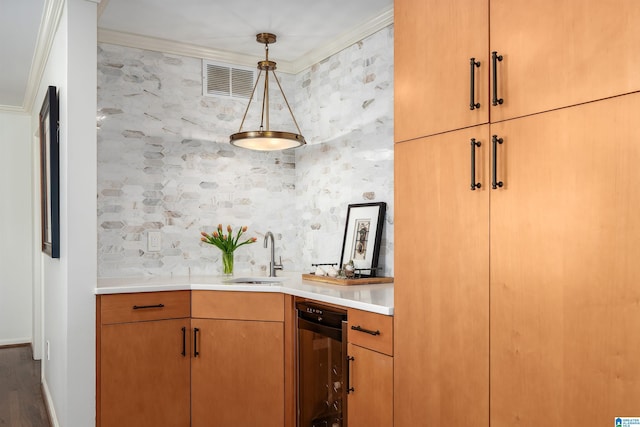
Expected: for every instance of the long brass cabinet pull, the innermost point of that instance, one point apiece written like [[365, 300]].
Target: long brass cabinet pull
[[495, 58], [195, 342], [494, 168], [472, 102], [366, 331], [474, 144], [350, 388], [184, 341], [142, 307]]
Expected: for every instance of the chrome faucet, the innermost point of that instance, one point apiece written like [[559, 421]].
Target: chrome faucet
[[272, 265]]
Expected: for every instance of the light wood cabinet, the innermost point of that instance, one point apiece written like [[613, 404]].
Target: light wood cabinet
[[559, 238], [562, 53], [441, 315], [514, 306], [433, 43], [564, 273], [370, 358], [554, 55], [143, 360], [237, 371], [370, 403]]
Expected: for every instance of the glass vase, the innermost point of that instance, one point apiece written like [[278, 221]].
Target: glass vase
[[227, 263]]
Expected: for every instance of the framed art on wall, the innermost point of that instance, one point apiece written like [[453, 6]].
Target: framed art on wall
[[362, 237], [50, 174]]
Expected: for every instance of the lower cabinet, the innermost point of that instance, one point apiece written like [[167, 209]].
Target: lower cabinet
[[220, 362], [370, 357], [227, 359], [143, 360], [237, 369], [370, 401]]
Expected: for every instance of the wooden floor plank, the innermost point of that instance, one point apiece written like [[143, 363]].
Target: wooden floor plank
[[21, 402]]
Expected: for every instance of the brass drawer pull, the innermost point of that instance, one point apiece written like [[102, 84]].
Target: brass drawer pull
[[366, 331], [140, 307]]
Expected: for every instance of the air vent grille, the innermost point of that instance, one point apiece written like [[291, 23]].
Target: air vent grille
[[227, 81]]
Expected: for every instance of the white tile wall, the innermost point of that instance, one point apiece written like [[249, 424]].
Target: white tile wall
[[164, 161]]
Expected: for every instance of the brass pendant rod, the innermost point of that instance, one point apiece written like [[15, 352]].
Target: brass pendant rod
[[286, 102], [265, 105], [266, 86], [255, 86]]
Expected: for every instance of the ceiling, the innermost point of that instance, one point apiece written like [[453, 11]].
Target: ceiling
[[307, 30]]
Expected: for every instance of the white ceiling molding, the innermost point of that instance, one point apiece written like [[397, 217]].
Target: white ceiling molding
[[102, 5], [344, 41], [175, 48], [12, 109], [48, 27], [183, 49]]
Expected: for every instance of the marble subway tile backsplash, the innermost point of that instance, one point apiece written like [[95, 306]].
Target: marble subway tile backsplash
[[164, 162]]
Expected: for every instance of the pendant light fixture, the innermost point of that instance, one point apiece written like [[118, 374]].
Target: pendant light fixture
[[266, 139]]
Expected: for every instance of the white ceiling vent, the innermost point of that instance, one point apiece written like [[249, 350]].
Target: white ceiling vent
[[229, 81]]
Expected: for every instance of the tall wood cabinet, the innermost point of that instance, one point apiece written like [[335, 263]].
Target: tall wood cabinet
[[441, 292], [565, 293], [513, 305]]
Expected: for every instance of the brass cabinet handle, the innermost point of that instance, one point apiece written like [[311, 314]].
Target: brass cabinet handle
[[350, 389], [474, 144], [495, 58], [142, 307], [494, 180], [366, 331], [472, 103]]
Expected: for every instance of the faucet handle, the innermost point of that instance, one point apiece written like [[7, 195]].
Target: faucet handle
[[278, 266]]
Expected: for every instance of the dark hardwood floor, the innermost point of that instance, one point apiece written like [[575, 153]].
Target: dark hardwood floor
[[21, 403]]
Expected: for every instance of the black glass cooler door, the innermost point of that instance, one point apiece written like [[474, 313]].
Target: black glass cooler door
[[321, 368]]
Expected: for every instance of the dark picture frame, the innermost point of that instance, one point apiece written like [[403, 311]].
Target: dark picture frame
[[362, 237], [50, 173]]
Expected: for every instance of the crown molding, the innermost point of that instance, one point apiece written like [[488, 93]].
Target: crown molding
[[12, 109], [48, 27], [344, 41], [102, 5], [175, 48], [184, 49]]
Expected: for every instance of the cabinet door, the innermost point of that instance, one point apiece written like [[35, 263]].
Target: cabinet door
[[433, 43], [238, 375], [144, 375], [370, 403], [565, 233], [441, 314], [561, 53]]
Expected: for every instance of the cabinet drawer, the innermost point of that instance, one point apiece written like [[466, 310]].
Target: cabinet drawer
[[136, 307], [371, 330], [238, 305]]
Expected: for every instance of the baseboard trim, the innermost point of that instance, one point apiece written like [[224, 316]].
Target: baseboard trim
[[16, 342], [48, 403]]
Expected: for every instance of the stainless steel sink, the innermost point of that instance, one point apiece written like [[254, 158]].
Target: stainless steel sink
[[255, 280]]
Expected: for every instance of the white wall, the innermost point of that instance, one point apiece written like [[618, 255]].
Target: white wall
[[69, 282], [15, 229]]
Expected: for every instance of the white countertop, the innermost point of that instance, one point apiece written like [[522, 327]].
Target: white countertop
[[376, 298]]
